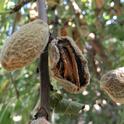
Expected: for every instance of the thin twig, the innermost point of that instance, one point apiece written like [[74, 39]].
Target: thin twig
[[11, 76], [77, 11], [18, 6], [14, 84]]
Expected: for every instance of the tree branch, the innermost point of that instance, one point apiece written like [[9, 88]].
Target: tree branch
[[45, 82], [44, 70], [42, 10]]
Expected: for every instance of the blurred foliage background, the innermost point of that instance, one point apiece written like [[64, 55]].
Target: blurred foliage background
[[97, 26]]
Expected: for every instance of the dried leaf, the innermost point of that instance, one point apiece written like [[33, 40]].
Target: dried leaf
[[99, 4], [52, 3], [63, 31]]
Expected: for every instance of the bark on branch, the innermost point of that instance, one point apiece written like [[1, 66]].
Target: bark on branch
[[44, 70]]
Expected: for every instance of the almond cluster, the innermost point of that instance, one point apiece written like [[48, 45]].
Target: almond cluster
[[67, 63]]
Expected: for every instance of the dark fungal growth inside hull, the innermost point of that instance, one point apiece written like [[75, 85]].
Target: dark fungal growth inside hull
[[83, 80], [71, 66]]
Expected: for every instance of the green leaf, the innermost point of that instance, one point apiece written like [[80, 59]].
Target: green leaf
[[2, 5]]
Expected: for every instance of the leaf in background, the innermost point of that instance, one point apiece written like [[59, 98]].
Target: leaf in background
[[83, 1], [116, 31], [2, 5], [5, 114], [4, 85]]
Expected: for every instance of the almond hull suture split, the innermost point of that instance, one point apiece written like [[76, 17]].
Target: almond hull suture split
[[68, 65], [24, 45], [113, 84]]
